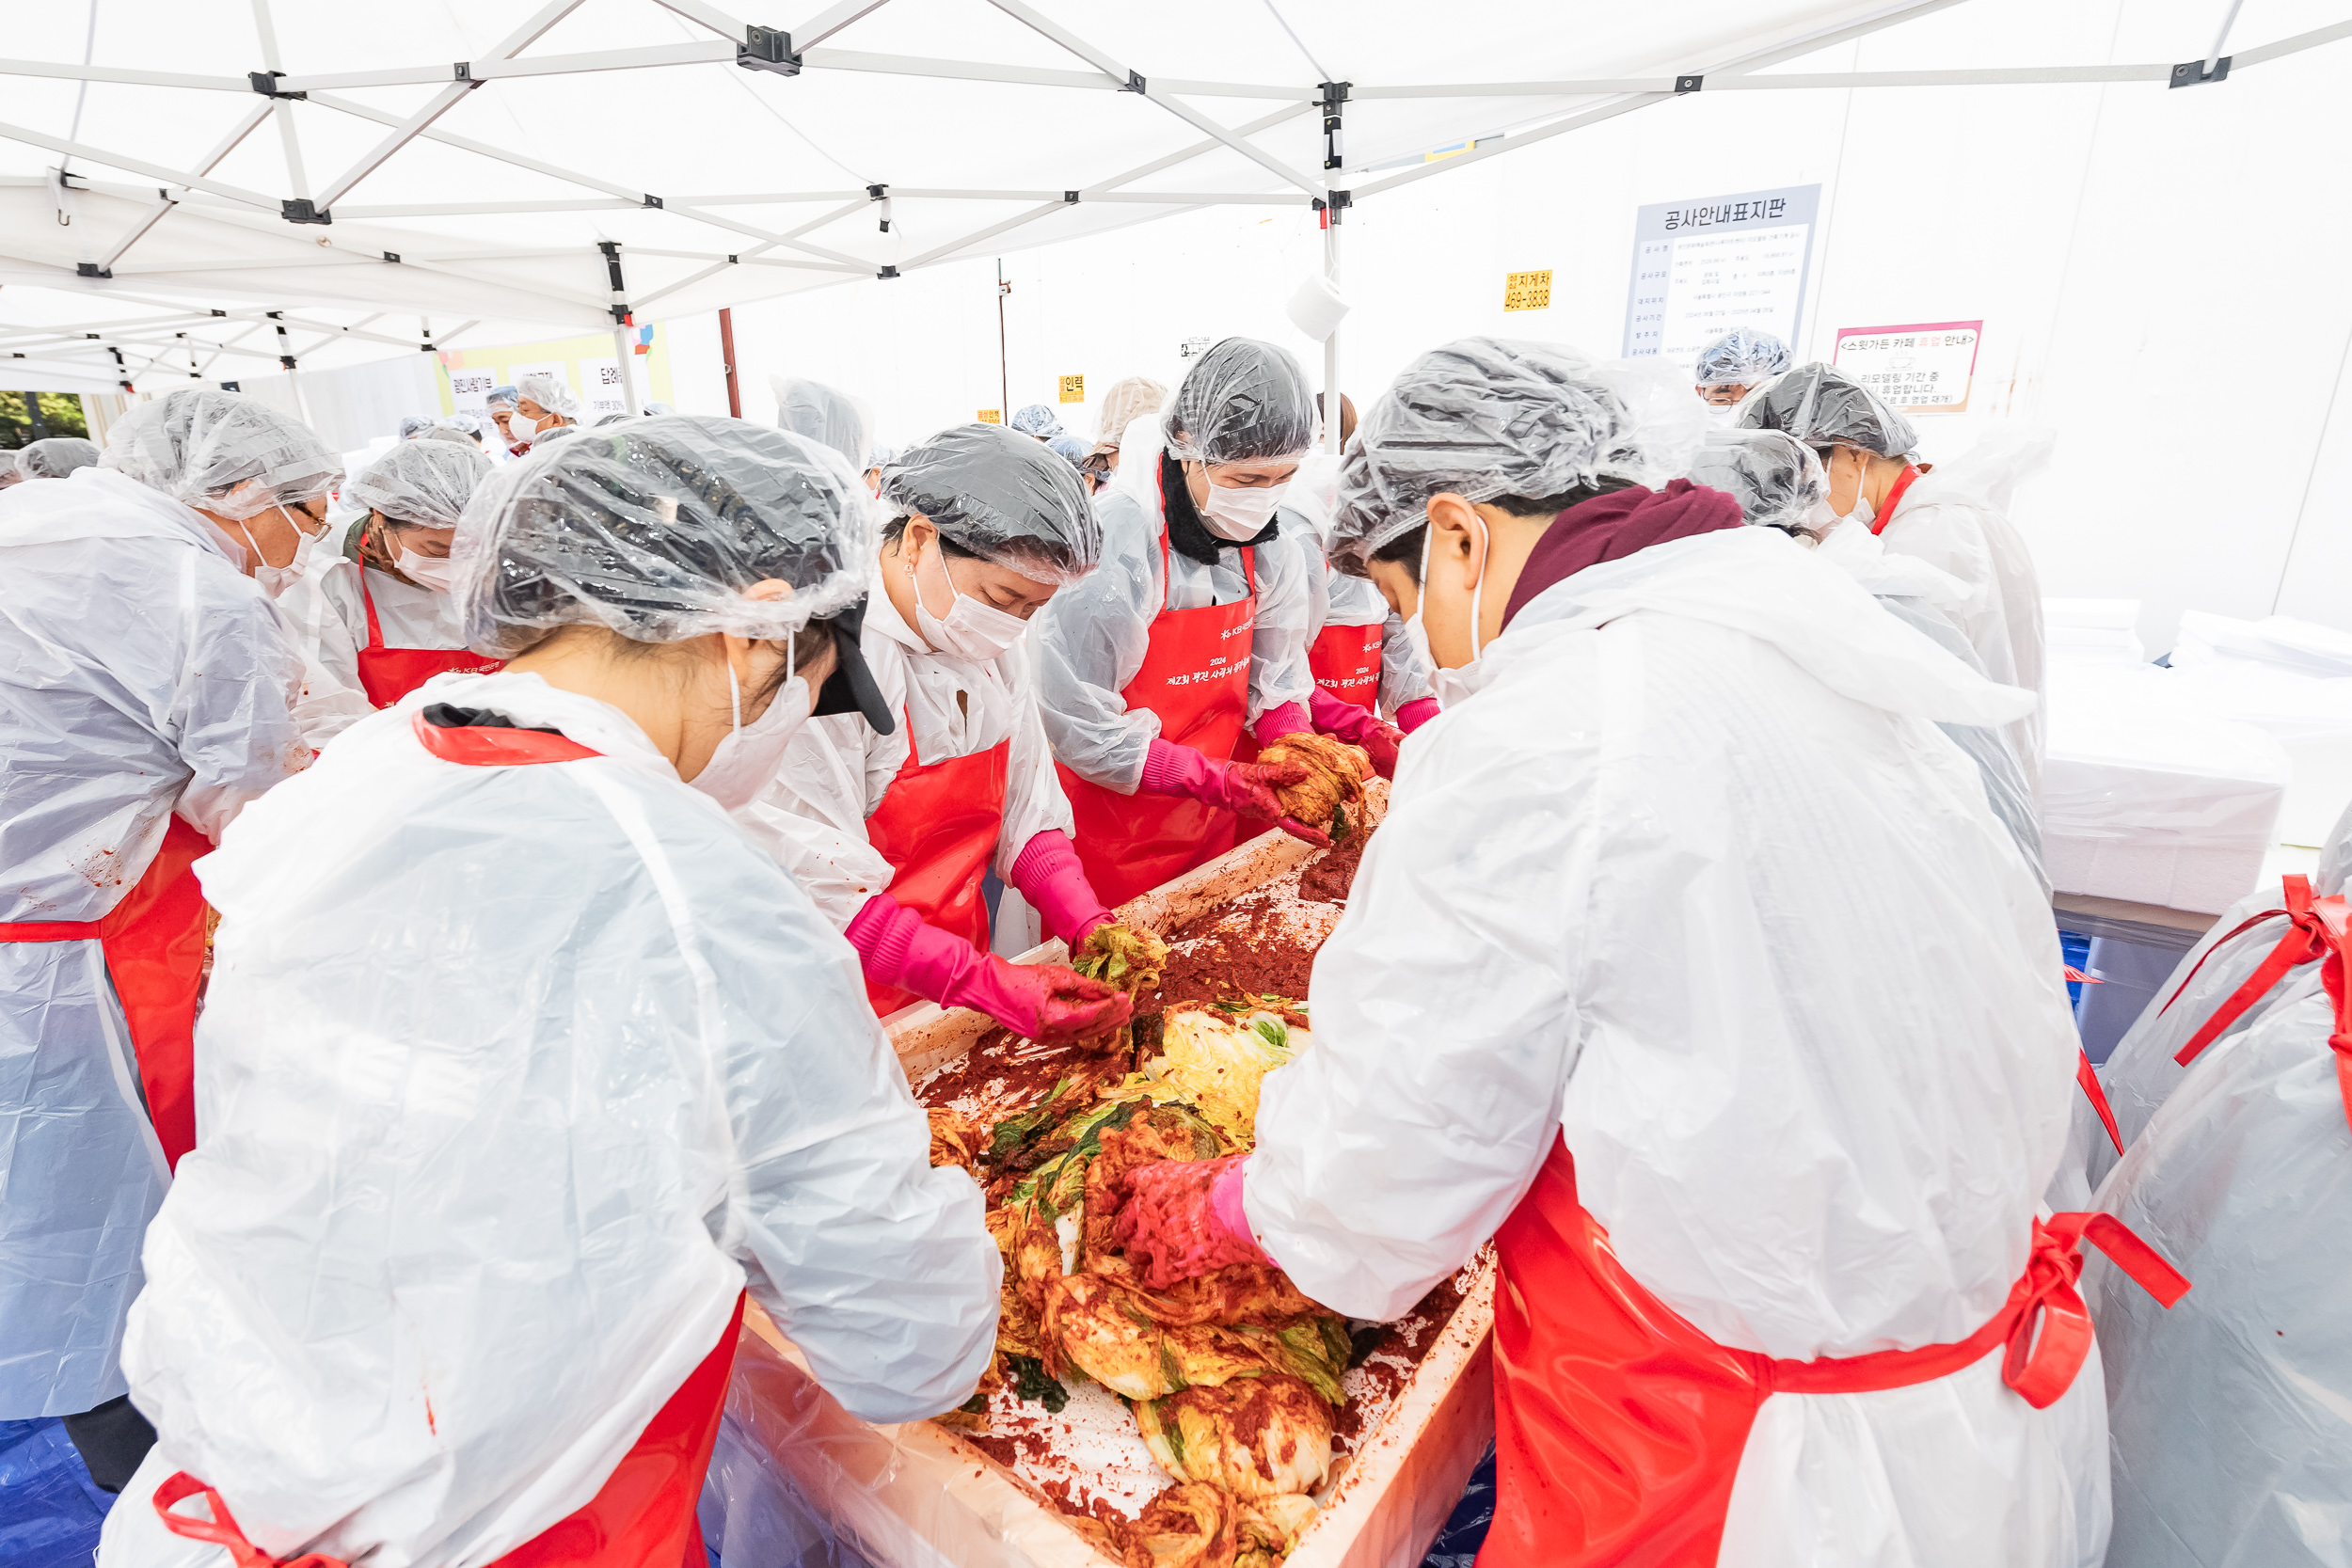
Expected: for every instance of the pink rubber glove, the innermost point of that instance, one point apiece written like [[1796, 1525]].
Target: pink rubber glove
[[1358, 726], [1048, 1003], [1180, 1218], [1413, 715], [1243, 788], [1276, 722], [1050, 878]]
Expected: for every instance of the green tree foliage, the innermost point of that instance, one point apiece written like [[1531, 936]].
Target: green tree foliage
[[60, 411]]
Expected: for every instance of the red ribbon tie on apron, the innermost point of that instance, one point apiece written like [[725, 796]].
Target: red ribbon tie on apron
[[643, 1516]]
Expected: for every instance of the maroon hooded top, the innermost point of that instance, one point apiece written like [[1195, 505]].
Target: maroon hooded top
[[1616, 525]]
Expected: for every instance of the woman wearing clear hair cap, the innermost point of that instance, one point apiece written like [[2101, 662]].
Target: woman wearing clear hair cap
[[1952, 515], [893, 833], [377, 621], [1775, 1286], [521, 1066], [1194, 628], [148, 700]]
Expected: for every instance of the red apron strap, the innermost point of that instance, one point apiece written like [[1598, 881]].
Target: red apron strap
[[2052, 1335], [1885, 514], [221, 1529], [495, 746], [376, 631], [643, 1516], [2088, 1076], [48, 930], [2303, 942], [2335, 918]]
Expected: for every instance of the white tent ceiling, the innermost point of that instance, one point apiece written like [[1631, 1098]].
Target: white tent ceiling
[[487, 167]]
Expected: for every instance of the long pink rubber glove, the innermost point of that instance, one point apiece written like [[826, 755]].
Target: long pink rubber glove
[[1413, 715], [1243, 788], [1050, 878], [1276, 722], [1358, 726], [1049, 1003], [1183, 1217]]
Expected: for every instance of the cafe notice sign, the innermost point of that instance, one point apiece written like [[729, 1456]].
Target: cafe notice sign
[[1922, 369]]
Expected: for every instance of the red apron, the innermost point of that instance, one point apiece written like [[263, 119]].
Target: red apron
[[938, 826], [153, 942], [1619, 1425], [1196, 677], [390, 674], [643, 1516], [1346, 661]]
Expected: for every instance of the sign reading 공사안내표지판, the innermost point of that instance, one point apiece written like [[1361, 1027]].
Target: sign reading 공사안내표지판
[[1921, 369], [1701, 268]]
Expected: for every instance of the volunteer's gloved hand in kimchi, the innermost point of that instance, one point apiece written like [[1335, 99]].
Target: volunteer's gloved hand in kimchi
[[1048, 1003], [1178, 1218], [1243, 788], [1358, 726], [1050, 878]]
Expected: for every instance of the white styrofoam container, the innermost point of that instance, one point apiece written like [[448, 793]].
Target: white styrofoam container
[[2148, 796]]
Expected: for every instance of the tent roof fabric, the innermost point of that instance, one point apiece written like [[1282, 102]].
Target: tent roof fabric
[[395, 179]]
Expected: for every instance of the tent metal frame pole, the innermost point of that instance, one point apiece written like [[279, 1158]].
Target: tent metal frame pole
[[709, 16], [1107, 190], [726, 355], [288, 142], [624, 349], [512, 44], [817, 28], [136, 165], [1757, 59], [856, 205], [1139, 84]]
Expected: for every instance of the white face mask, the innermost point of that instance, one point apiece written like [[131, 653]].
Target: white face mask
[[275, 580], [750, 755], [970, 630], [1235, 513], [1450, 687], [523, 427], [427, 571]]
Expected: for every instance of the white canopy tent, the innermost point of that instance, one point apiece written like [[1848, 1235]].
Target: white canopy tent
[[176, 213]]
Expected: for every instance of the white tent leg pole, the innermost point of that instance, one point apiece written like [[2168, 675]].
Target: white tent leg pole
[[625, 347], [1331, 344]]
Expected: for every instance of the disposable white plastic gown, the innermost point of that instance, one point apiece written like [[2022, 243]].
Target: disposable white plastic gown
[[837, 770], [1090, 637], [2231, 1414], [1929, 601], [1342, 600], [2141, 1074], [510, 1079], [1956, 519], [141, 672], [330, 623], [1756, 942]]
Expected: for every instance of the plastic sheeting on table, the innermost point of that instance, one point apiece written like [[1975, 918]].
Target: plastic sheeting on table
[[2147, 797], [1465, 1532], [49, 1510], [796, 1481]]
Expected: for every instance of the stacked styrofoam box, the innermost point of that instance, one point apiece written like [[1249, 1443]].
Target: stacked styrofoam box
[[2148, 797], [2290, 679], [2100, 631]]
